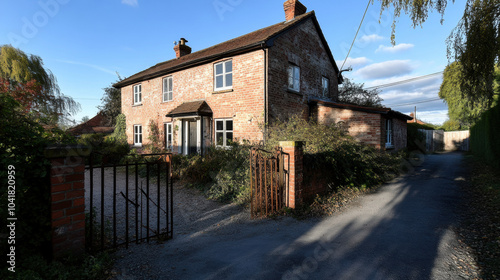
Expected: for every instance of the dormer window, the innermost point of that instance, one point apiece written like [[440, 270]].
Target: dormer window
[[223, 75], [294, 77]]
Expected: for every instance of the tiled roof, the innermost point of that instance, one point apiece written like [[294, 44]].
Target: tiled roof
[[375, 110], [250, 41], [94, 125], [195, 108]]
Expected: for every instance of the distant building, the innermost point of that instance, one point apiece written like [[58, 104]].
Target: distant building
[[95, 125]]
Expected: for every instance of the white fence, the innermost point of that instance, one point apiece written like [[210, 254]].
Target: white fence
[[439, 140]]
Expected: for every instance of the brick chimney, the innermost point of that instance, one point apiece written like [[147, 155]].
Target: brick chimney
[[181, 49], [293, 8]]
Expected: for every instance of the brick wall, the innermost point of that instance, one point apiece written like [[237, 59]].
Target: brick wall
[[368, 128], [67, 199], [244, 103], [301, 46]]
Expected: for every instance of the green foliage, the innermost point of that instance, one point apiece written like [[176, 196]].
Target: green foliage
[[485, 136], [119, 134], [36, 267], [111, 102], [416, 138], [155, 138], [105, 150], [475, 41], [462, 109], [22, 145], [451, 125], [222, 174], [336, 157], [19, 68], [353, 93]]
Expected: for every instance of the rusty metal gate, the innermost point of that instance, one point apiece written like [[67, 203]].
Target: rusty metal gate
[[128, 203], [268, 181]]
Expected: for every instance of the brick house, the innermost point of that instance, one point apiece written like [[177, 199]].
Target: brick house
[[227, 91]]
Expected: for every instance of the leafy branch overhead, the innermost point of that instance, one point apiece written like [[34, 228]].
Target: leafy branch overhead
[[353, 93], [47, 101], [475, 41]]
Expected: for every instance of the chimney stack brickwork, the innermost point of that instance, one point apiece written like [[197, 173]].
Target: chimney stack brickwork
[[181, 49], [293, 8]]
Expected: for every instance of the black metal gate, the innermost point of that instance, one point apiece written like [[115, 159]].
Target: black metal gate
[[268, 181], [129, 202]]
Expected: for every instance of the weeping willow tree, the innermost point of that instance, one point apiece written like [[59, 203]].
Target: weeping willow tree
[[474, 43], [49, 104]]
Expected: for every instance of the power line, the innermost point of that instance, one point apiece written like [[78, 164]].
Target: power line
[[413, 103], [404, 81], [355, 36]]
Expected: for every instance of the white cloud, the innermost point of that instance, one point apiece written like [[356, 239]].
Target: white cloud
[[370, 38], [386, 69], [394, 49], [132, 3], [354, 62], [434, 116]]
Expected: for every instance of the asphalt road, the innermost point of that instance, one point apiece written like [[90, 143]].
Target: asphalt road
[[403, 231]]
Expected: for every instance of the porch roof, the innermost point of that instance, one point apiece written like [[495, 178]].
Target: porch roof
[[193, 108]]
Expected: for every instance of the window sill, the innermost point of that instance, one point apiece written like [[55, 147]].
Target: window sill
[[137, 105], [294, 92], [137, 146], [168, 101], [222, 91], [389, 146]]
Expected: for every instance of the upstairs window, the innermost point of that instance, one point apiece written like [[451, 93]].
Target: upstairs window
[[223, 132], [137, 94], [223, 75], [168, 89], [325, 85], [294, 77], [389, 135], [138, 135]]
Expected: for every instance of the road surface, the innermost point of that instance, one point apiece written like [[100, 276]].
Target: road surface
[[402, 231]]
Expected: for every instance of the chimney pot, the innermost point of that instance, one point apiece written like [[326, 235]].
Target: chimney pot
[[293, 8], [182, 49]]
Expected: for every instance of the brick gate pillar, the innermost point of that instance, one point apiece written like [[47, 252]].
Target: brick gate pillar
[[296, 171], [67, 198]]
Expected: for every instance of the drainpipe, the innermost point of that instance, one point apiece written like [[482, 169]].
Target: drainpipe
[[266, 92]]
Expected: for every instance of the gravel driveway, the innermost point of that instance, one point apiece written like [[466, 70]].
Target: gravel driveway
[[403, 231]]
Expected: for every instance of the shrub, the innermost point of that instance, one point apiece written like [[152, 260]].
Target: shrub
[[22, 146], [222, 174], [329, 151], [105, 150]]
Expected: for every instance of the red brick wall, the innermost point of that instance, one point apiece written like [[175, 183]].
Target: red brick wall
[[368, 128], [301, 46], [67, 200], [244, 104]]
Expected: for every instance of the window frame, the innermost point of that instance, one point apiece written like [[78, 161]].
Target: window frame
[[137, 93], [224, 75], [169, 144], [137, 134], [295, 77], [323, 88], [389, 133], [168, 92], [225, 131]]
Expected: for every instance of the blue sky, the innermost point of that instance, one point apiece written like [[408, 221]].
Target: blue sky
[[84, 43]]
